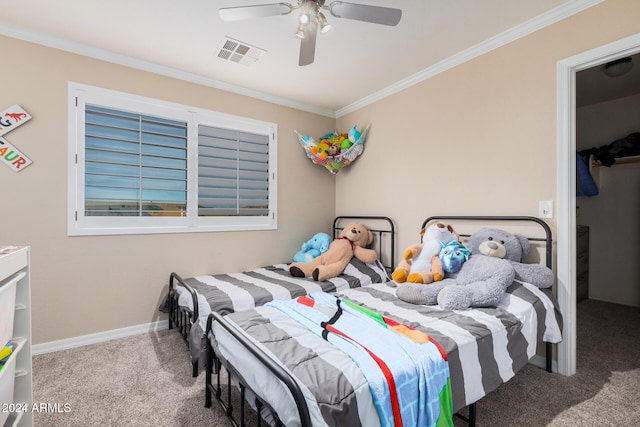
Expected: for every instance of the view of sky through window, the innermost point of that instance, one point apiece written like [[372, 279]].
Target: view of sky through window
[[135, 165]]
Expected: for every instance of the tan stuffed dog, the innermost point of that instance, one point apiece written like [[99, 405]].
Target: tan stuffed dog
[[352, 242], [421, 263]]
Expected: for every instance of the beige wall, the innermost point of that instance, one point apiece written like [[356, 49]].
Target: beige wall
[[479, 138], [85, 285]]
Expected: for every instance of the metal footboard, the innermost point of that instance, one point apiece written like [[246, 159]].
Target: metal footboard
[[214, 365], [182, 318], [213, 383]]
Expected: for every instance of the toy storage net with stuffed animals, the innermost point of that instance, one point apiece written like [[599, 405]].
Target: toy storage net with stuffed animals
[[335, 150]]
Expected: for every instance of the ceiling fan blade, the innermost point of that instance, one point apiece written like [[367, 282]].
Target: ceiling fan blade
[[256, 11], [366, 13], [308, 44]]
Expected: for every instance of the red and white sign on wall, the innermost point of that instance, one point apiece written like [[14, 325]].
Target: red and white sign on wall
[[10, 119]]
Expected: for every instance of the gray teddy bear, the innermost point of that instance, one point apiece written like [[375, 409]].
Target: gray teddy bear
[[484, 278]]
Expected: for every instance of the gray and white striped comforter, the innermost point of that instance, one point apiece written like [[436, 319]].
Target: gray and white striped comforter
[[485, 346], [231, 292]]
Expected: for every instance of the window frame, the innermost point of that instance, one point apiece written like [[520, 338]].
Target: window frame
[[79, 224]]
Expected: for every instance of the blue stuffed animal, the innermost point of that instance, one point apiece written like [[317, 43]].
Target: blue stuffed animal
[[453, 255], [354, 135], [313, 248]]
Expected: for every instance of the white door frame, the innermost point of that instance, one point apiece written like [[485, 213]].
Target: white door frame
[[566, 182]]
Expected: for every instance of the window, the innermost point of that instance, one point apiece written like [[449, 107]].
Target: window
[[134, 165], [139, 165]]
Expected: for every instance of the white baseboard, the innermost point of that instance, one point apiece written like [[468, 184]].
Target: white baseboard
[[65, 344]]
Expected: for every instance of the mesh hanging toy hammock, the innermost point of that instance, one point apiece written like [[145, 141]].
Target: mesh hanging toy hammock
[[335, 150]]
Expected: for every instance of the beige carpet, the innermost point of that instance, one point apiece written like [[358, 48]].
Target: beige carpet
[[146, 381], [143, 380]]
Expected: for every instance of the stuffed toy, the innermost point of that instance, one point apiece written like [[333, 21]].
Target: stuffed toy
[[353, 241], [452, 256], [313, 248], [354, 134], [483, 279], [421, 263], [321, 150]]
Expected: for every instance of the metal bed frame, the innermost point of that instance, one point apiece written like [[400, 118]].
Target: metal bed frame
[[182, 318], [548, 243], [215, 362], [384, 238]]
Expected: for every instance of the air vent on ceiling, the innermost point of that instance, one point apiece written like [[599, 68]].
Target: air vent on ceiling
[[240, 52]]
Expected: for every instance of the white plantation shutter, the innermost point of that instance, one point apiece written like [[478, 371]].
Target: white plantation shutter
[[233, 172], [135, 165], [141, 165]]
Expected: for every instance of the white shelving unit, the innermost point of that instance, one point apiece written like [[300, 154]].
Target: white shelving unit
[[15, 264]]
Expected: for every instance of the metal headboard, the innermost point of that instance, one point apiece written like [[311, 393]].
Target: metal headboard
[[547, 239], [381, 227]]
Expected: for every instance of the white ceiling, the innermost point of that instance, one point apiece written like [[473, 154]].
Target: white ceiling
[[354, 62], [593, 86]]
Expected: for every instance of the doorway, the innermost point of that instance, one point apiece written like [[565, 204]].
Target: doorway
[[566, 185]]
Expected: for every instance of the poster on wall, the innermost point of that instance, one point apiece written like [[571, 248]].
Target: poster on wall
[[10, 119], [12, 157]]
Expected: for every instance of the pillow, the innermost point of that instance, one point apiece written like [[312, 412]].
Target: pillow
[[357, 273]]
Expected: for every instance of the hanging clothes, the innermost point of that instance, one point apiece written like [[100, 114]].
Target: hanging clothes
[[586, 186], [623, 147]]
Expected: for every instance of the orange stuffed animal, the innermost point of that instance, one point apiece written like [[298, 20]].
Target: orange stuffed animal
[[352, 242], [421, 263]]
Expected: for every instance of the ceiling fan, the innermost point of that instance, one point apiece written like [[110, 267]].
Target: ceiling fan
[[311, 17]]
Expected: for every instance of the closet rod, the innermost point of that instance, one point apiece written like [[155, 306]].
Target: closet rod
[[620, 161]]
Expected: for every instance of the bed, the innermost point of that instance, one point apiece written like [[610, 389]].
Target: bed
[[281, 368], [190, 301]]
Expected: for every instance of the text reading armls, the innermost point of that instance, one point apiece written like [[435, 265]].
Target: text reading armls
[[59, 408]]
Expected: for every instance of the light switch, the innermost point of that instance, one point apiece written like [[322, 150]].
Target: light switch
[[546, 209]]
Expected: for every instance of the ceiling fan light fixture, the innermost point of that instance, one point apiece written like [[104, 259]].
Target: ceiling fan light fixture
[[300, 32], [324, 25], [619, 67], [304, 18]]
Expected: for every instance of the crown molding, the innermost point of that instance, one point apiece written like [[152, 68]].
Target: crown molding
[[531, 26], [548, 18], [132, 62]]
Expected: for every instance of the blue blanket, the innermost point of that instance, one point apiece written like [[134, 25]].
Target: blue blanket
[[409, 382]]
